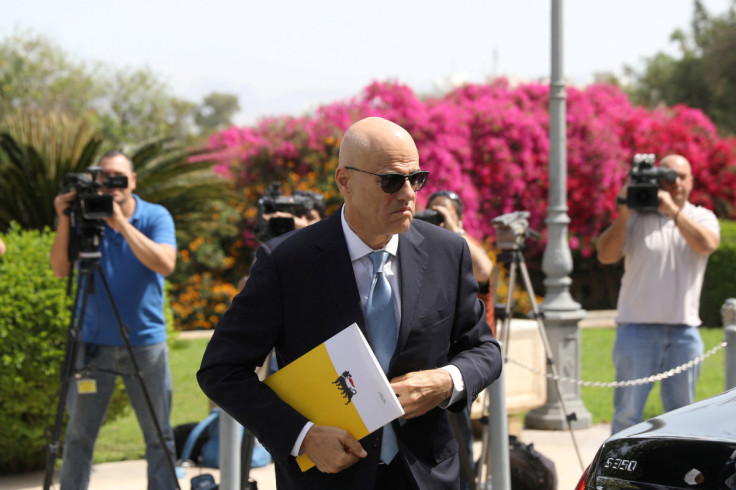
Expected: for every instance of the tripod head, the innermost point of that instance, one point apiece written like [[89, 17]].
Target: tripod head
[[512, 230], [85, 237]]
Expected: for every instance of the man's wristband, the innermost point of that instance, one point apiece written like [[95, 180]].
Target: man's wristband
[[620, 200]]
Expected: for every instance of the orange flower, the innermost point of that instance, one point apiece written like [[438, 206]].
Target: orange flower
[[196, 243]]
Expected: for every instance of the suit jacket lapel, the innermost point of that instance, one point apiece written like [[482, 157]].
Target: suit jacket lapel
[[414, 262], [335, 271]]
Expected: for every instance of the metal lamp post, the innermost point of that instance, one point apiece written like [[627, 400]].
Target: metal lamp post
[[561, 312]]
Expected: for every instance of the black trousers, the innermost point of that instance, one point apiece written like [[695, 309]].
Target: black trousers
[[394, 476]]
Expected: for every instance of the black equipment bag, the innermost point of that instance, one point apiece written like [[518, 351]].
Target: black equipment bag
[[530, 469]]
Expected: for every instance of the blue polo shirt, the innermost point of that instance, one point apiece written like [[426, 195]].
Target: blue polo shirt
[[137, 291]]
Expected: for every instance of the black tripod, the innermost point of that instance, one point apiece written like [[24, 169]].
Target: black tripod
[[88, 264]]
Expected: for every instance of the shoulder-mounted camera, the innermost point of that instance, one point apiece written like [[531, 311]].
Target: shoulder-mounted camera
[[646, 180], [273, 201]]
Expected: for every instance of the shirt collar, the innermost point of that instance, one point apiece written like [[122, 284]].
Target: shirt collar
[[357, 247]]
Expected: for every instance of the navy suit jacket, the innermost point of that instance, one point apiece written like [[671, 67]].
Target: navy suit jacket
[[301, 291]]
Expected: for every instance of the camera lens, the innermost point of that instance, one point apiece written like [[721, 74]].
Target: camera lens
[[430, 216]]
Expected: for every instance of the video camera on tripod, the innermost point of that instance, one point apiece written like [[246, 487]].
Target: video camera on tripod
[[273, 201], [91, 205], [646, 180], [86, 212], [512, 230]]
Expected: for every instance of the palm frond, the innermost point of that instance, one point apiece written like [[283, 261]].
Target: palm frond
[[167, 175], [36, 151]]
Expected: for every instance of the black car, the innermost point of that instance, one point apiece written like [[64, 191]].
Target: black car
[[692, 447]]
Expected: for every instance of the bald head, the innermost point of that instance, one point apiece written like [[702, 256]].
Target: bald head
[[380, 147], [672, 161], [371, 137], [681, 188]]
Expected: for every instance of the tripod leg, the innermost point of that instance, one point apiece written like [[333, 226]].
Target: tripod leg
[[67, 372], [550, 360], [167, 448], [494, 293], [506, 331]]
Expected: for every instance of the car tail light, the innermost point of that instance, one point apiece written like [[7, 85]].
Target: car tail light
[[581, 482]]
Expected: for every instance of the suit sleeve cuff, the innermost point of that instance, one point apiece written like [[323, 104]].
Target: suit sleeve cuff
[[296, 450], [458, 385]]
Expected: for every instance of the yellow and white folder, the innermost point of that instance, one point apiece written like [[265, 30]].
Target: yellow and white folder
[[339, 383]]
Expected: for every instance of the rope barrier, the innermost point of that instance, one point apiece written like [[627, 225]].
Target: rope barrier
[[620, 384]]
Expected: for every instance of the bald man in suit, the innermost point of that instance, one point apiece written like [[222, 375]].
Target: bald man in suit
[[310, 284]]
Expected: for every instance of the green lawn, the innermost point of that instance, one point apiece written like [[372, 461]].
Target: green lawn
[[597, 345], [122, 438]]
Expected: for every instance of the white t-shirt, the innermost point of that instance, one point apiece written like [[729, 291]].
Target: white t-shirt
[[663, 275]]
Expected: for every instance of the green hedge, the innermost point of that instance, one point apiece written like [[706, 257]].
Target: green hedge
[[720, 276], [34, 321]]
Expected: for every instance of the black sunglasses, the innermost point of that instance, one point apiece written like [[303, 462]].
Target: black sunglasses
[[393, 182]]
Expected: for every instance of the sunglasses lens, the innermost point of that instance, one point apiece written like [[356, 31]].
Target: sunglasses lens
[[391, 183], [418, 179]]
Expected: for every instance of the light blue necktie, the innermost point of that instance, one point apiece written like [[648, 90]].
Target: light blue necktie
[[381, 326]]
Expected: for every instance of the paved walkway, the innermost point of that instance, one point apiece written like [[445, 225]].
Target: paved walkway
[[131, 475]]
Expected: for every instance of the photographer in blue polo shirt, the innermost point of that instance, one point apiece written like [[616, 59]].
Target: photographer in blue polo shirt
[[137, 250]]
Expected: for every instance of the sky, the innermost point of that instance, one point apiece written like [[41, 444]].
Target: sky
[[290, 56]]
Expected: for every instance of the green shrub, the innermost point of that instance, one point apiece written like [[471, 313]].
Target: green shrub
[[34, 313], [719, 283], [34, 322]]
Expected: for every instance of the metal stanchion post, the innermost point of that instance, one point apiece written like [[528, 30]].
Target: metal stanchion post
[[230, 433], [728, 313], [499, 435]]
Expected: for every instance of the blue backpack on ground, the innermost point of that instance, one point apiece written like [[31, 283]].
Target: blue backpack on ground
[[202, 445]]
